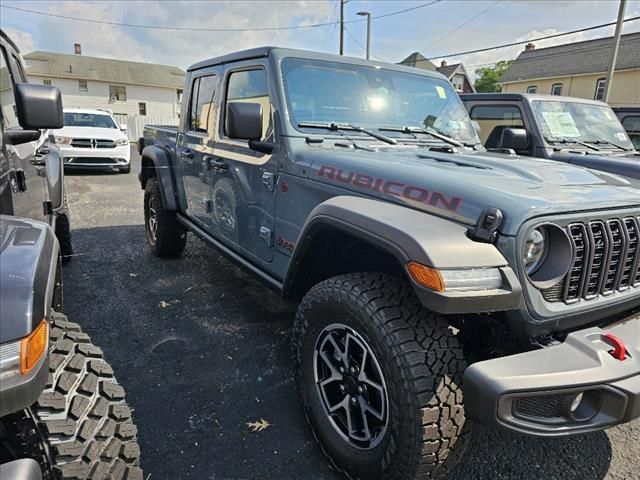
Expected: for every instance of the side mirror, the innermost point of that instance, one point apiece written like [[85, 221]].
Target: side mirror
[[39, 106], [123, 127], [244, 121], [514, 138]]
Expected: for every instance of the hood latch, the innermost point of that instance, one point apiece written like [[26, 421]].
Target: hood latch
[[488, 224]]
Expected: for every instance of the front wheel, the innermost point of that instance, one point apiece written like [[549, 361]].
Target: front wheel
[[380, 379]]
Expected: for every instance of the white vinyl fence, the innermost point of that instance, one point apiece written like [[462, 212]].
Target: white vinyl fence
[[135, 123]]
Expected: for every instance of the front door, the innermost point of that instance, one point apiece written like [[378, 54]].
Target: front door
[[244, 184], [28, 182], [195, 147]]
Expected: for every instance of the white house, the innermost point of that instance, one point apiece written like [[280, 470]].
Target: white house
[[126, 88]]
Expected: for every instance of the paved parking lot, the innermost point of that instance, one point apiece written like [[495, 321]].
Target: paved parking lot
[[202, 348]]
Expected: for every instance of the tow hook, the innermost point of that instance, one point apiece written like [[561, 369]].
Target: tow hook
[[619, 351]]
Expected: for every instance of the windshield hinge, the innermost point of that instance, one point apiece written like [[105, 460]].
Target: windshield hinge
[[488, 224]]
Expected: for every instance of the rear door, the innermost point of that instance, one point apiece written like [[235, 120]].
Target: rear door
[[28, 182], [244, 184], [195, 145]]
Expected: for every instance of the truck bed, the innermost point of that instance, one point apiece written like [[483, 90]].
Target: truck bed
[[162, 135]]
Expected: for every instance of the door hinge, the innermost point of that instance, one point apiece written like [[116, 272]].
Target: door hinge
[[207, 205], [267, 235], [47, 207], [21, 180], [269, 181]]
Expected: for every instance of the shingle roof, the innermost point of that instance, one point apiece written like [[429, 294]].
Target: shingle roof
[[590, 56], [417, 60], [103, 69], [448, 70]]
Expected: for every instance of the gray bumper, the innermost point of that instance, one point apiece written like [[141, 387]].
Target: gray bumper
[[536, 392]]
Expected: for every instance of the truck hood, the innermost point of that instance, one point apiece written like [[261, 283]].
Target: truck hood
[[627, 164], [462, 185], [90, 132]]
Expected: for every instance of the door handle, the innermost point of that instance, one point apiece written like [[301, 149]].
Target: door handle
[[218, 164], [187, 154]]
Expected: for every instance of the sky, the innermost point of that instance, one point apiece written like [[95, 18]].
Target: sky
[[444, 27]]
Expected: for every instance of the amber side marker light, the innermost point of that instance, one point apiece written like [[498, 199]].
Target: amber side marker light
[[426, 276], [32, 347]]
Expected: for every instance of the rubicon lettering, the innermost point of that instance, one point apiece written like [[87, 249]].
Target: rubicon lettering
[[390, 187]]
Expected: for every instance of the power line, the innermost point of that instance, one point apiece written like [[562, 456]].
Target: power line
[[200, 29], [464, 24], [555, 35]]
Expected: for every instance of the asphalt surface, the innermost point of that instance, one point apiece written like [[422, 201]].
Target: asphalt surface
[[202, 348]]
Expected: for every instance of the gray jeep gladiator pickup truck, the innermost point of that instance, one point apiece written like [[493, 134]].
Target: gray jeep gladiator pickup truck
[[62, 413], [567, 129], [437, 282]]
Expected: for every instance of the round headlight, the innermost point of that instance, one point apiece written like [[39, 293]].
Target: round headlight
[[534, 250], [547, 255]]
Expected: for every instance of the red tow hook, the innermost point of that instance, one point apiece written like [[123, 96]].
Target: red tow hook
[[619, 351]]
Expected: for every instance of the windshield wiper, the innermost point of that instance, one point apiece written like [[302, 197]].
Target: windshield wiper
[[341, 126], [567, 141], [607, 142], [428, 131]]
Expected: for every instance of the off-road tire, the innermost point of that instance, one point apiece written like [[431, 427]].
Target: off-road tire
[[63, 233], [80, 427], [170, 237], [422, 362]]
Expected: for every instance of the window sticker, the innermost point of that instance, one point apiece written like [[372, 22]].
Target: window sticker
[[621, 136], [561, 124], [441, 92]]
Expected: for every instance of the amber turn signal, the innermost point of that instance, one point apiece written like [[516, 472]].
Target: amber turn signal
[[426, 276], [33, 346]]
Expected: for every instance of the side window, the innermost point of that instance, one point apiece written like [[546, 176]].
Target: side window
[[631, 124], [251, 86], [495, 118], [7, 95], [201, 110]]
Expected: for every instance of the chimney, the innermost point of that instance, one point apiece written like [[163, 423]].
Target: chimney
[[77, 49], [529, 46], [443, 63]]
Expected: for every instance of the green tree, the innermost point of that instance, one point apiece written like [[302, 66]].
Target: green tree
[[488, 77]]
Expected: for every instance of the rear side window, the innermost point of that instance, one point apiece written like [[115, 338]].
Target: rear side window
[[251, 86], [495, 118], [631, 124], [201, 110]]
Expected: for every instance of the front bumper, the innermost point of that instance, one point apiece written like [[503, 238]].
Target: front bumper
[[537, 392], [21, 391], [115, 157]]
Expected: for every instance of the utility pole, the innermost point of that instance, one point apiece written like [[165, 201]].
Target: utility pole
[[342, 2], [614, 53]]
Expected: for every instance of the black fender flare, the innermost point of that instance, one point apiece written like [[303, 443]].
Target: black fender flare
[[411, 235], [156, 162]]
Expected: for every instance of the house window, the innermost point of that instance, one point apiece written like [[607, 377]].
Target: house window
[[179, 95], [532, 89], [458, 82], [46, 82], [82, 86], [117, 93], [142, 108], [601, 83], [556, 89]]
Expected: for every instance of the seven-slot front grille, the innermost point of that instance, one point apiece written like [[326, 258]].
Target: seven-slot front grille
[[606, 258], [92, 143]]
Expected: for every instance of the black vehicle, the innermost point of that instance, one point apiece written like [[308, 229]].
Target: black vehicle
[[567, 129], [62, 413], [630, 119]]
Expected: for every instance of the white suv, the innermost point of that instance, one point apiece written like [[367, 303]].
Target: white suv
[[93, 139]]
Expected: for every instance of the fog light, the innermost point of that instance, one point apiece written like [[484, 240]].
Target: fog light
[[576, 402], [583, 406]]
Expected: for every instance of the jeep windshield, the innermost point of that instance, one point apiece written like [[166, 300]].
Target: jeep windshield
[[72, 119], [592, 126], [374, 98]]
